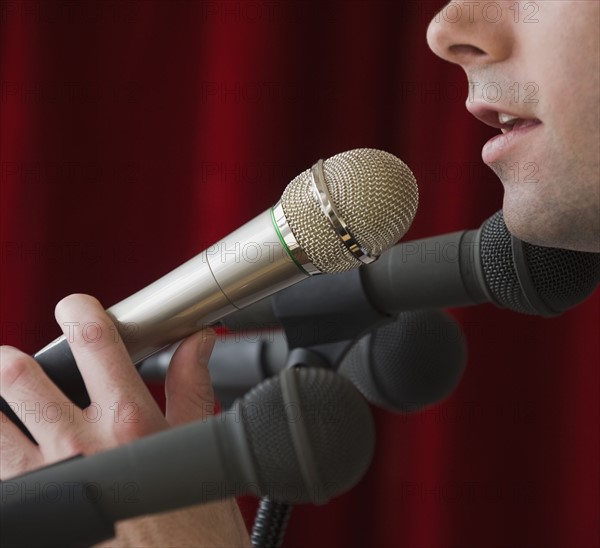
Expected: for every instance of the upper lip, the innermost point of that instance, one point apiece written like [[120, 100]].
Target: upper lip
[[489, 114]]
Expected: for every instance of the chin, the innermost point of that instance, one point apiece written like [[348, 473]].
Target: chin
[[564, 230]]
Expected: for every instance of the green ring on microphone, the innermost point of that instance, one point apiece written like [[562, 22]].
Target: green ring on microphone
[[284, 244]]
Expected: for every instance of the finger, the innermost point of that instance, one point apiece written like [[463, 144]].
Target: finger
[[45, 411], [18, 453], [188, 387], [107, 370]]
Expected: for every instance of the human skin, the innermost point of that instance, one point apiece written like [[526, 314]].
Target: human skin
[[114, 384], [538, 61]]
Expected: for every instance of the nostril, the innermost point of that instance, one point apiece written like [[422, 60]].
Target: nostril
[[463, 50]]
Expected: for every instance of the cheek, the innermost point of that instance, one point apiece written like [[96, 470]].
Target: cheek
[[566, 72], [573, 126]]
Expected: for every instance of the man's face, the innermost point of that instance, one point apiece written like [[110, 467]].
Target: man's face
[[537, 62]]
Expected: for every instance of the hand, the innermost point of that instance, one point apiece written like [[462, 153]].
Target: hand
[[122, 410]]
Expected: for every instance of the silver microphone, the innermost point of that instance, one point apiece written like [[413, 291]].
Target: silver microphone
[[338, 215]]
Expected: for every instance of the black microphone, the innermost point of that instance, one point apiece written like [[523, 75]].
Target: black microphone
[[458, 269], [304, 436], [410, 363], [403, 365]]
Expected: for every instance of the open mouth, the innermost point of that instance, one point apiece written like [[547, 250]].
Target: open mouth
[[512, 125], [499, 146], [508, 122]]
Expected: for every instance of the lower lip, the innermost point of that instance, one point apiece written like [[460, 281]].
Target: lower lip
[[499, 145]]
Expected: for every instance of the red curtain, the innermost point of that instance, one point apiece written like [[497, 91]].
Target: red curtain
[[136, 133]]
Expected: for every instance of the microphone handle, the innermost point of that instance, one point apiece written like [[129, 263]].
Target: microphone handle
[[249, 264], [439, 272], [200, 462]]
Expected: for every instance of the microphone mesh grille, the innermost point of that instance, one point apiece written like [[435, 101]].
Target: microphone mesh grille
[[562, 278], [404, 365], [339, 426], [374, 192], [497, 263]]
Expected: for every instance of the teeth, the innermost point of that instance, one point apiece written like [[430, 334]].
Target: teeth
[[507, 118]]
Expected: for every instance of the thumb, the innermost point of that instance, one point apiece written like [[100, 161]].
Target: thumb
[[188, 388]]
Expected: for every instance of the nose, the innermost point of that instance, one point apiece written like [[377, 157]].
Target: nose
[[472, 33]]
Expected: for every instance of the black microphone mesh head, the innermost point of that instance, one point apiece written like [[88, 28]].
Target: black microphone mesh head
[[561, 278], [340, 432], [415, 361]]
